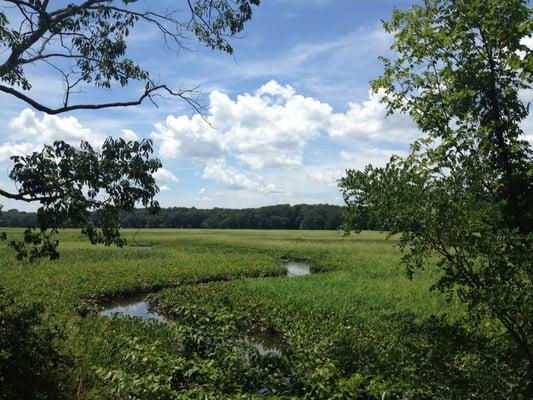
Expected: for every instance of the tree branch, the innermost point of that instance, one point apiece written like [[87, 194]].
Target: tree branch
[[148, 93], [20, 196]]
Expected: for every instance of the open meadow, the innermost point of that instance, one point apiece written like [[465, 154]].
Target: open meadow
[[236, 326]]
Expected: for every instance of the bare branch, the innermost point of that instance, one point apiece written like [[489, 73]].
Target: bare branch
[[149, 93]]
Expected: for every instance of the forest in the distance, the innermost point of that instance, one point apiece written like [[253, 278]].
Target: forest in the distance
[[282, 216]]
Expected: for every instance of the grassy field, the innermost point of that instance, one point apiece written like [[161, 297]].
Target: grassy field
[[355, 328]]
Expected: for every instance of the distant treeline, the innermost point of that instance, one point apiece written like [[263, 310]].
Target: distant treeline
[[283, 216]]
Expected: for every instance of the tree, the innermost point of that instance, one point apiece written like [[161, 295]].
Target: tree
[[464, 194], [72, 183], [85, 42]]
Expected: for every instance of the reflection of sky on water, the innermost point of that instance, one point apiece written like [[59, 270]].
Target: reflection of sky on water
[[134, 307], [297, 268]]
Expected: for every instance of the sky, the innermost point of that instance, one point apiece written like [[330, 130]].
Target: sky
[[288, 112]]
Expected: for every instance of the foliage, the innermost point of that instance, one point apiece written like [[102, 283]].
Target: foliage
[[330, 348], [281, 216], [464, 194], [360, 330], [31, 365], [71, 182], [86, 43]]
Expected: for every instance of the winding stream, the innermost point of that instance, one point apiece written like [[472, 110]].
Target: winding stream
[[133, 306], [137, 306]]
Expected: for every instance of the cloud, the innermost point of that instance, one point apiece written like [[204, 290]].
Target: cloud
[[371, 155], [163, 175], [369, 120], [267, 131], [324, 175], [272, 159], [129, 135], [27, 126], [233, 179], [29, 133], [270, 128], [528, 42], [252, 146], [163, 178], [15, 149], [361, 46], [188, 138]]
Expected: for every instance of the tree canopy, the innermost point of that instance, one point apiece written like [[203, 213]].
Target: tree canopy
[[464, 194], [70, 183], [86, 43], [281, 216]]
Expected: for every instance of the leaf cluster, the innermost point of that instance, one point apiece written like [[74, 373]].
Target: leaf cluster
[[71, 183], [86, 42]]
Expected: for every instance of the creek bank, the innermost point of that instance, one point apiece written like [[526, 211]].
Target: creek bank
[[264, 341], [135, 305]]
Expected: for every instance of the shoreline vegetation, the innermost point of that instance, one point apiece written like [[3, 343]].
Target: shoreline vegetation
[[282, 216], [359, 329]]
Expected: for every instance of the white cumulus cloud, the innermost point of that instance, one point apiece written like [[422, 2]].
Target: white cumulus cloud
[[268, 130], [28, 132], [129, 135], [188, 138], [233, 179], [163, 175], [28, 127], [369, 120]]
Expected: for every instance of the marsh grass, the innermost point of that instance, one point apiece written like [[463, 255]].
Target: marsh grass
[[358, 325]]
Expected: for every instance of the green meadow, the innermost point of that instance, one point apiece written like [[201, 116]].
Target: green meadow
[[356, 327]]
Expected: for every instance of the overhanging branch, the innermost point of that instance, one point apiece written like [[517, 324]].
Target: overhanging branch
[[148, 93], [21, 197]]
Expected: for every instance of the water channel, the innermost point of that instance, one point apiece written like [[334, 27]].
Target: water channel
[[137, 306]]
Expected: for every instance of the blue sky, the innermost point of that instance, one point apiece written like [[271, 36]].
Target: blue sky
[[289, 112]]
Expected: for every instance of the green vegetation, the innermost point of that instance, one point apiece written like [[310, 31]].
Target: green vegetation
[[358, 328], [71, 183], [463, 196], [281, 216], [461, 202]]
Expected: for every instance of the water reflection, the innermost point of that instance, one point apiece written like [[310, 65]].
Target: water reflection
[[297, 268], [134, 306]]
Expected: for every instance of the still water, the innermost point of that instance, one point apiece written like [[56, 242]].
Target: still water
[[136, 306], [297, 268]]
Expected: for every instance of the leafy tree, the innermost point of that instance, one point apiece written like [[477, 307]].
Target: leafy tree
[[86, 43], [464, 194], [71, 183]]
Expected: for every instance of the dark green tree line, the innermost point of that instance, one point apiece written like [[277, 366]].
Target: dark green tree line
[[283, 216]]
